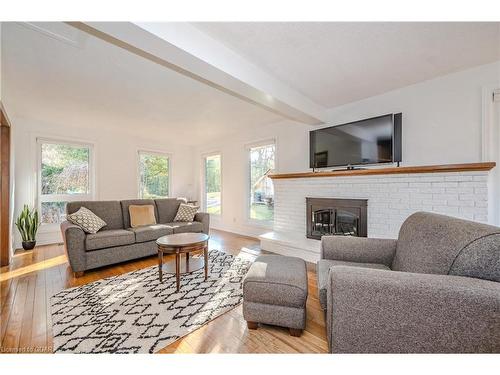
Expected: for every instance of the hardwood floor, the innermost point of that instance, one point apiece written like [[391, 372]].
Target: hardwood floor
[[34, 276]]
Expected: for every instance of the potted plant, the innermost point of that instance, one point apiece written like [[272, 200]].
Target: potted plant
[[27, 223]]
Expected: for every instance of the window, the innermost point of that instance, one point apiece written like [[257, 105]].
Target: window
[[262, 163], [64, 176], [212, 199], [154, 171]]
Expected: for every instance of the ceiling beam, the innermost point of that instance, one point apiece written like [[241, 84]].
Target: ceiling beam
[[187, 50]]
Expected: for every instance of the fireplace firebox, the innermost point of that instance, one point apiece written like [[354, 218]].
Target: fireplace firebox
[[332, 216]]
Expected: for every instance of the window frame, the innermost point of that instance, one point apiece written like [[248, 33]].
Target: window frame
[[204, 182], [248, 147], [155, 153], [41, 198]]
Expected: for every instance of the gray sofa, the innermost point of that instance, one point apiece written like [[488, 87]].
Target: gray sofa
[[436, 289], [117, 242]]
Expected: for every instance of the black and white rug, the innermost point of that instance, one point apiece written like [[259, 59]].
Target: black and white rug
[[135, 313]]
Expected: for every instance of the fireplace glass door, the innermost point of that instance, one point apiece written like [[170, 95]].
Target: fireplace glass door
[[346, 223], [323, 222], [334, 221]]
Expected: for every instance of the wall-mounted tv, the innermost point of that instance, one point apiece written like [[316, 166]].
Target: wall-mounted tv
[[369, 141]]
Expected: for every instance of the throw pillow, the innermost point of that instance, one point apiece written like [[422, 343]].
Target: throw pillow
[[87, 220], [141, 215], [186, 212]]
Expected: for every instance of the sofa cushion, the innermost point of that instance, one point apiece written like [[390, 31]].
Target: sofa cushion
[[167, 209], [136, 202], [430, 243], [87, 220], [323, 267], [276, 280], [109, 211], [181, 227], [140, 215], [109, 238], [151, 232]]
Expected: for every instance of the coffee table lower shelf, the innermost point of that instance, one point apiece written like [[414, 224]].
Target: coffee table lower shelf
[[194, 264]]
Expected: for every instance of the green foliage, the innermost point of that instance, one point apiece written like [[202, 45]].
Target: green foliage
[[212, 174], [64, 169], [154, 176], [27, 223], [261, 162]]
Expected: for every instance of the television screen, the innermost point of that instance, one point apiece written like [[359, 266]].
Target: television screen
[[367, 141]]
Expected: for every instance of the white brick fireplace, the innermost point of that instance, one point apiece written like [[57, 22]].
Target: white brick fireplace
[[391, 199]]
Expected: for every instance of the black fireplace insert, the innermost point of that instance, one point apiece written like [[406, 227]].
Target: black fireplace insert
[[332, 216]]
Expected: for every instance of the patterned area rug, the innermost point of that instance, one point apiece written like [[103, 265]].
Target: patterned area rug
[[135, 313]]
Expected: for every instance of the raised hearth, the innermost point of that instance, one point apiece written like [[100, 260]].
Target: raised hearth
[[332, 216]]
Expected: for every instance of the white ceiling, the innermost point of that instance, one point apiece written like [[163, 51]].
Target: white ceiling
[[337, 63], [70, 77]]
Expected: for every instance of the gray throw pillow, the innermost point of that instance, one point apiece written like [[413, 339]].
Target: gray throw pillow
[[87, 220], [186, 212]]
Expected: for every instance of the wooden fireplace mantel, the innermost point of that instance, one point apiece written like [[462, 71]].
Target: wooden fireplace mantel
[[486, 166]]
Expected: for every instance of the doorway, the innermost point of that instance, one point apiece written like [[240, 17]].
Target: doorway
[[4, 188]]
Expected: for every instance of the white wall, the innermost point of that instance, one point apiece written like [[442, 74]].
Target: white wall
[[441, 125], [115, 155], [291, 146], [441, 117]]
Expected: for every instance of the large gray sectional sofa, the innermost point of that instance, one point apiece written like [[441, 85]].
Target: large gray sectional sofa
[[117, 241], [434, 289]]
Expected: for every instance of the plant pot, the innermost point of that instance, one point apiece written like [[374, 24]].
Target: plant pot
[[29, 245]]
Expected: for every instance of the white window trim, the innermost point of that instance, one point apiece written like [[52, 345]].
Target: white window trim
[[259, 143], [49, 227], [489, 147], [168, 155], [204, 183]]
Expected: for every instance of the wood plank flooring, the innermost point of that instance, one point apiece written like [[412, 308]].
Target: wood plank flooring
[[34, 276]]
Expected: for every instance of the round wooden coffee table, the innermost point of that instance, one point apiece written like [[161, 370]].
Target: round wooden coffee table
[[183, 243]]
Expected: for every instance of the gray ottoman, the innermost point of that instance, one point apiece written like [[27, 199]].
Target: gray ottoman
[[275, 292]]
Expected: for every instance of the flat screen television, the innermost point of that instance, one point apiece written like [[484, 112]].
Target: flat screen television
[[369, 141]]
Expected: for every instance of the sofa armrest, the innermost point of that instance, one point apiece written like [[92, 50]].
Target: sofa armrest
[[358, 249], [74, 243], [203, 218], [400, 312]]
